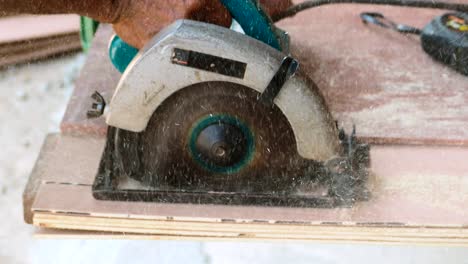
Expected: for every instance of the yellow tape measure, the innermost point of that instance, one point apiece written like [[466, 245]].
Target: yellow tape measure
[[457, 23]]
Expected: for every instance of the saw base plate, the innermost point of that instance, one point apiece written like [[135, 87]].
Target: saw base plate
[[337, 191]]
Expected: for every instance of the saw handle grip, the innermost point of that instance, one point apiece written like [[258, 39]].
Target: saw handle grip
[[121, 53], [253, 20]]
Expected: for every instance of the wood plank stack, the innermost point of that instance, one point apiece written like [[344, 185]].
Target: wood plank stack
[[28, 38]]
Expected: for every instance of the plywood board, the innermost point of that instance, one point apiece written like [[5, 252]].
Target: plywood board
[[97, 74], [413, 188], [35, 181], [380, 81]]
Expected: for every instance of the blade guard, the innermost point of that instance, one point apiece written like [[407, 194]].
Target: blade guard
[[248, 13], [155, 74]]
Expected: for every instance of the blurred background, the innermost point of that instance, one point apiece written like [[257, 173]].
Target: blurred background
[[40, 58]]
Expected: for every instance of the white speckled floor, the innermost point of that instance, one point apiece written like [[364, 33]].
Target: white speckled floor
[[32, 100]]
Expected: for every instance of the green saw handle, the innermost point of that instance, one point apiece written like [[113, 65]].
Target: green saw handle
[[253, 20]]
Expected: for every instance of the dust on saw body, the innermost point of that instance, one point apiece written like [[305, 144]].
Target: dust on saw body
[[192, 122]]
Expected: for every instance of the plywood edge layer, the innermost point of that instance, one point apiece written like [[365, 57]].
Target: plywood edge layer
[[70, 234], [178, 229]]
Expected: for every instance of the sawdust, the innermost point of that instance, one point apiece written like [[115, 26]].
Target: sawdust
[[425, 190], [32, 101], [418, 108]]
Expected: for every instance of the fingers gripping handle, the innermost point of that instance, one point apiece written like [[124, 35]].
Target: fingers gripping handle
[[248, 13]]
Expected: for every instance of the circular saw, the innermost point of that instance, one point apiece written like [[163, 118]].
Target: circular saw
[[205, 114]]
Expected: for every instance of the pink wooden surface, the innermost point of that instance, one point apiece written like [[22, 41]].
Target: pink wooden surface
[[97, 74], [21, 28], [381, 81], [421, 186]]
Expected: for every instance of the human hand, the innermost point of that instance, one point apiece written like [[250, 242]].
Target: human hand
[[273, 7], [139, 21]]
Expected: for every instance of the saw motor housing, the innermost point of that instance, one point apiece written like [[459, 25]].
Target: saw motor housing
[[157, 72]]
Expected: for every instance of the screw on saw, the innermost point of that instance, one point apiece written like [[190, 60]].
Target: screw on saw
[[97, 108]]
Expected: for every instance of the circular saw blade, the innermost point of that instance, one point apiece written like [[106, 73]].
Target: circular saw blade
[[163, 155]]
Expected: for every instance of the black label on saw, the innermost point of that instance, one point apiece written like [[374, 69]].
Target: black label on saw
[[209, 63]]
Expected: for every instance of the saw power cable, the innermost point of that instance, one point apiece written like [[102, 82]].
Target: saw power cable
[[380, 20], [436, 4]]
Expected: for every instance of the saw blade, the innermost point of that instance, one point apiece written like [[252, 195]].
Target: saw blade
[[215, 136]]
